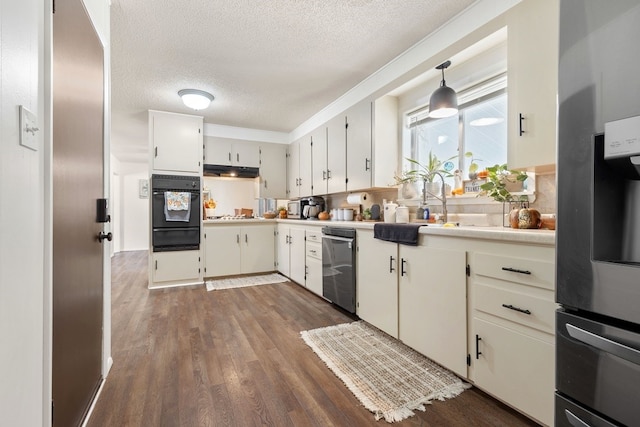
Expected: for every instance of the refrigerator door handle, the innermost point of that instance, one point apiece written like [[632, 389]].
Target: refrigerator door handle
[[625, 352], [574, 420]]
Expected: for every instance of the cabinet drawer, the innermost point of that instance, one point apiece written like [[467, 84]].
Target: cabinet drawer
[[314, 236], [532, 311], [314, 250], [530, 272]]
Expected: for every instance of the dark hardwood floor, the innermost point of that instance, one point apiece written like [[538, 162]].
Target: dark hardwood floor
[[188, 357]]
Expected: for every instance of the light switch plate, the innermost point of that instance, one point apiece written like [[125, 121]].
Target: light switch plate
[[28, 129]]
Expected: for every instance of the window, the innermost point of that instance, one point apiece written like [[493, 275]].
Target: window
[[479, 128]]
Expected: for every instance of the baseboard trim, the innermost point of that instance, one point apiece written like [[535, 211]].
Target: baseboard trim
[[93, 403]]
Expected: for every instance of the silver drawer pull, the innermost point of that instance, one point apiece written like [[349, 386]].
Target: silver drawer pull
[[605, 344], [574, 420], [515, 270], [518, 309]]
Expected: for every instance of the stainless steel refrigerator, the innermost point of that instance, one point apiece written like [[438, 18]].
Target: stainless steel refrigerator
[[598, 230]]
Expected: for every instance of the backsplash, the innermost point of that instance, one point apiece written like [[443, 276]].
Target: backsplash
[[545, 201]]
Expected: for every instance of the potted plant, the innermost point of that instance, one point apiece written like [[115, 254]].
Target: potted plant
[[282, 212], [473, 166], [500, 181], [427, 172]]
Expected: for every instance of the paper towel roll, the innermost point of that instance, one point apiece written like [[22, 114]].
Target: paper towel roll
[[357, 198]]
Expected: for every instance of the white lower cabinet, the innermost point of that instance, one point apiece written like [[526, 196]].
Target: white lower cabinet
[[432, 304], [512, 337], [313, 259], [291, 252], [377, 279], [178, 267], [231, 249]]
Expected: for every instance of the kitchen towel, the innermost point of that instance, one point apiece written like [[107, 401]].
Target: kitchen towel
[[177, 206], [406, 234]]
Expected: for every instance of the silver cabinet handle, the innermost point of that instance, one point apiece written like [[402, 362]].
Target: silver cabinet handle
[[328, 174], [604, 344], [324, 175]]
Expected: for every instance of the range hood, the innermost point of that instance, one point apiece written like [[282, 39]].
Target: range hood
[[231, 171]]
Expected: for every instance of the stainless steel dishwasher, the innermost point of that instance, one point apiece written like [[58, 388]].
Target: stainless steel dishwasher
[[339, 266]]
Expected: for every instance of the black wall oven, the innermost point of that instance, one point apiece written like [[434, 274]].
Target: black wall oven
[[175, 230]]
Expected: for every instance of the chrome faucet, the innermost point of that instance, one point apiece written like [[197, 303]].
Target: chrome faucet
[[443, 199]]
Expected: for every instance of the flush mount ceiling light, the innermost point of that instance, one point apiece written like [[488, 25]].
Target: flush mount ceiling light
[[196, 99], [444, 101]]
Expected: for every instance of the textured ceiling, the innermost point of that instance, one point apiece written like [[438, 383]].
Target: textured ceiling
[[271, 64]]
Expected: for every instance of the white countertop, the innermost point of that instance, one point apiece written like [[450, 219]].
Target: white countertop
[[541, 237]]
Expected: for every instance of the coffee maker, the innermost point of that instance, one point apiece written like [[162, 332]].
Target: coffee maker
[[311, 206]]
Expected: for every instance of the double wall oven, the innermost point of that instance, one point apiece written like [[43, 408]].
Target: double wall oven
[[175, 230]]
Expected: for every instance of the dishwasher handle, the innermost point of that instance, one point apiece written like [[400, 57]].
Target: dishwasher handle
[[342, 239]]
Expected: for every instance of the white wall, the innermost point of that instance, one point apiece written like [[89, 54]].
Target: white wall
[[233, 193], [135, 211], [22, 294]]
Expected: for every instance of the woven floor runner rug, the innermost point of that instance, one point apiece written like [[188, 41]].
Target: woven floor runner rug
[[241, 282], [390, 379]]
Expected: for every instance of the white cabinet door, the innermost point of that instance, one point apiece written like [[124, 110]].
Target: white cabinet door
[[306, 178], [297, 254], [314, 275], [282, 249], [384, 141], [273, 171], [515, 368], [175, 266], [245, 154], [319, 157], [359, 147], [293, 170], [336, 155], [532, 89], [377, 275], [222, 251], [176, 142], [432, 304], [217, 151], [258, 246]]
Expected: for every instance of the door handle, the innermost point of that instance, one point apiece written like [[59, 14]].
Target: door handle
[[402, 270], [102, 236], [391, 269], [265, 184], [229, 157], [238, 157], [478, 352], [521, 119], [518, 309], [328, 174], [155, 152], [605, 344], [246, 238], [366, 164], [286, 240], [324, 175], [237, 238]]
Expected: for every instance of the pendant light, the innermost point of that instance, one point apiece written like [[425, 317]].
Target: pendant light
[[196, 99], [444, 101]]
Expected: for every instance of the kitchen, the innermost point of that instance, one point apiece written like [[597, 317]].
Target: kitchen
[[479, 242]]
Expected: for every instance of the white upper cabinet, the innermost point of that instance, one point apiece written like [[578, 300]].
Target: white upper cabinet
[[532, 60], [273, 167], [293, 170], [230, 152], [337, 154], [359, 146], [175, 142], [305, 177], [319, 159]]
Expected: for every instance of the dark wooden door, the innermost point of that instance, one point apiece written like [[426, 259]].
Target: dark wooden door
[[78, 82]]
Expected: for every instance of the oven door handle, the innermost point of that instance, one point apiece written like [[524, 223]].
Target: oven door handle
[[605, 344]]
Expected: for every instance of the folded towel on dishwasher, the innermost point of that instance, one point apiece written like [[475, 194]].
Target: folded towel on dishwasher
[[177, 206], [406, 234]]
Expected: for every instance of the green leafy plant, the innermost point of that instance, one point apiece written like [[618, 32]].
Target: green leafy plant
[[427, 171], [499, 176], [473, 166]]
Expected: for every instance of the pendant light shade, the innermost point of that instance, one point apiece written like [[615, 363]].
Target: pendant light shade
[[196, 99], [444, 101]]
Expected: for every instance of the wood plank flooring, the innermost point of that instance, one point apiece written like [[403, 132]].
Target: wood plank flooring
[[188, 357]]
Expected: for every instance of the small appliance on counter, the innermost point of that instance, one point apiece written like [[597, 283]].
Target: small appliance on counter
[[305, 208]]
